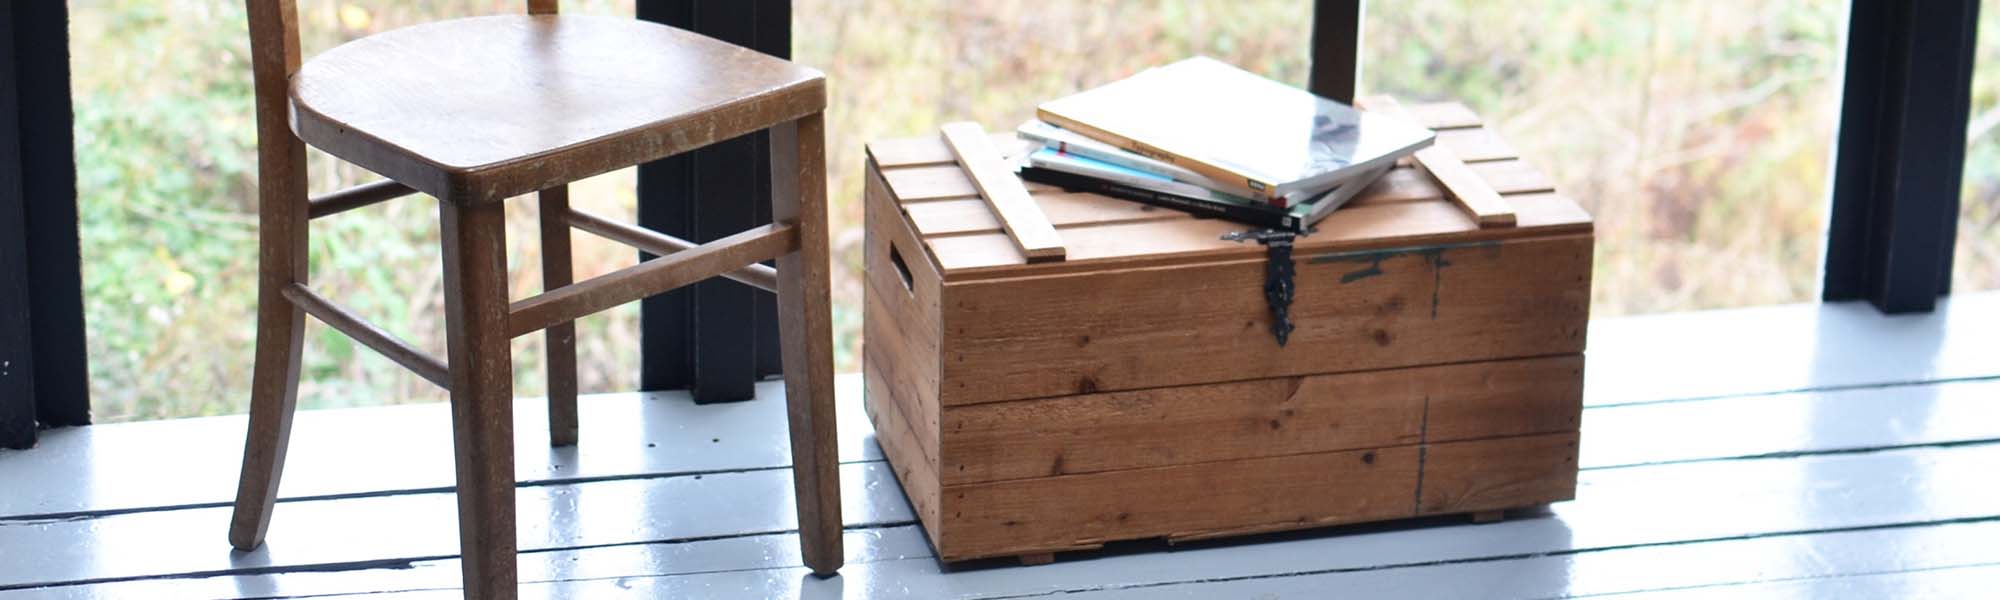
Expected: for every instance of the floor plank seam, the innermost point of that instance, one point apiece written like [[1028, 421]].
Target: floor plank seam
[[1501, 557], [405, 563], [1719, 585], [58, 517], [1785, 454], [1803, 390]]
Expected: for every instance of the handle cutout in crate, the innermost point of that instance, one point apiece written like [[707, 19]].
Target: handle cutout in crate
[[1002, 190], [1464, 187]]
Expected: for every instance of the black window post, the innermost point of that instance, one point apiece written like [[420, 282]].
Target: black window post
[[42, 369], [1336, 49], [717, 337], [1901, 155]]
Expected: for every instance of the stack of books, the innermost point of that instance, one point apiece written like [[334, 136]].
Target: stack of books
[[1208, 138]]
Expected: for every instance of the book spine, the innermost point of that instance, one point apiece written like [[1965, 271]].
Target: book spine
[[1249, 215], [1265, 191]]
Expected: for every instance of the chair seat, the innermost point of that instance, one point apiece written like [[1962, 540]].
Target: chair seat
[[485, 108]]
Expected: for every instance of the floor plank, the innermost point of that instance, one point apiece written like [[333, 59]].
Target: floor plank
[[1785, 348], [393, 530], [1978, 581], [193, 462], [1745, 564], [1791, 424], [1648, 506], [772, 551]]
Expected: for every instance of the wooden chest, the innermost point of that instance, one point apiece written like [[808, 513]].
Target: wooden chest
[[1135, 390]]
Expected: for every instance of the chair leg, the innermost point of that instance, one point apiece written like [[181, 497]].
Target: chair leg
[[274, 394], [482, 389], [556, 273], [274, 379], [798, 194]]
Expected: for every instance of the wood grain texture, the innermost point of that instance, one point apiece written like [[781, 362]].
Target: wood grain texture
[[1469, 401], [915, 474], [632, 283], [360, 330], [281, 261], [607, 93], [1090, 433], [1498, 474], [1081, 511], [482, 393], [1055, 335], [900, 321], [560, 339], [805, 331], [1018, 214], [1446, 161]]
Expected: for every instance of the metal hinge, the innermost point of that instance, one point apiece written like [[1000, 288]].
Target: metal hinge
[[1279, 273]]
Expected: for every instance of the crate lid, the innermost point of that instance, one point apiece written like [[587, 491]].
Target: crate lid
[[1406, 208]]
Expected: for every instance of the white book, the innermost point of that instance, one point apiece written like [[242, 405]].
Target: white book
[[1066, 141]]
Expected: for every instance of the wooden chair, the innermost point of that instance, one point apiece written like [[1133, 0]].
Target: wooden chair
[[475, 111]]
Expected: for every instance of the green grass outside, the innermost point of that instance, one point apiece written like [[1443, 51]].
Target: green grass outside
[[1697, 132]]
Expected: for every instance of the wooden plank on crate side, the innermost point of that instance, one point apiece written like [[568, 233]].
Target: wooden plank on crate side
[[1464, 187], [1068, 435], [1025, 337], [1495, 474], [916, 475], [900, 317], [1026, 226], [1053, 513], [1091, 433], [1470, 401]]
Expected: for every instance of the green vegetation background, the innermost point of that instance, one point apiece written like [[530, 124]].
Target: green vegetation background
[[1697, 132]]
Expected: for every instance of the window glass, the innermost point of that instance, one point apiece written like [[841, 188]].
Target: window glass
[[1976, 266], [1697, 133]]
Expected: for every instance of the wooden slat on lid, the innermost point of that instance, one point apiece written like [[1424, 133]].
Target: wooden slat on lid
[[1026, 226], [1444, 115], [1465, 187], [1474, 145], [930, 150], [970, 215], [1151, 243], [1403, 184], [1513, 176]]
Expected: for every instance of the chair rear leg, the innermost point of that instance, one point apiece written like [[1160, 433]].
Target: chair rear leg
[[274, 379], [274, 394], [556, 273], [805, 328]]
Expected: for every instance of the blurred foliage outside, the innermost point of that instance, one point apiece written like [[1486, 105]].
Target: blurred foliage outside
[[1698, 133]]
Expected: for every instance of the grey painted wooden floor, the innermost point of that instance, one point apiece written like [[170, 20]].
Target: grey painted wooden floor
[[1790, 452]]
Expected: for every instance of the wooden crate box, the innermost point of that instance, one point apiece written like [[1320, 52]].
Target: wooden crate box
[[1134, 390]]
